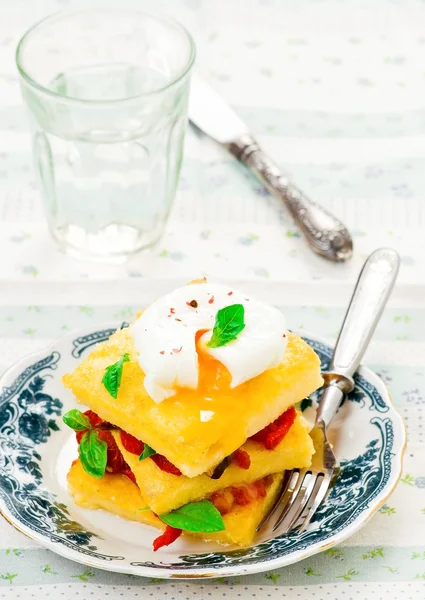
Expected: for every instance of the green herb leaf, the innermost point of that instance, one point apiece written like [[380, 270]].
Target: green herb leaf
[[229, 322], [113, 374], [147, 451], [93, 454], [196, 517], [143, 509], [76, 420]]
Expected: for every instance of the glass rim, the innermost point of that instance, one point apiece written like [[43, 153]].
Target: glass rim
[[67, 13]]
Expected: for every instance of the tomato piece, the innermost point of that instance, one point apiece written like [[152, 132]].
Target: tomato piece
[[79, 435], [94, 419], [267, 480], [131, 444], [116, 462], [129, 473], [96, 422], [242, 495], [165, 465], [283, 424], [168, 537], [242, 458], [261, 435], [273, 434], [108, 426], [260, 488], [245, 494], [223, 500]]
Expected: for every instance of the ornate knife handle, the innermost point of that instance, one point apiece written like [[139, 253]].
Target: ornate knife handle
[[325, 234]]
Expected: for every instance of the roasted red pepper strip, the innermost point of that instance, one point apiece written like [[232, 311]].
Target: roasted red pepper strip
[[116, 462], [135, 446], [242, 459], [261, 487], [281, 427], [274, 433], [79, 435], [165, 465], [131, 444], [168, 537], [223, 500], [94, 419]]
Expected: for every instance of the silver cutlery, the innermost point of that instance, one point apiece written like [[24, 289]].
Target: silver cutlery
[[325, 234], [303, 490]]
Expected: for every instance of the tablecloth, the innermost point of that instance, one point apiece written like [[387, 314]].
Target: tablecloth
[[335, 91]]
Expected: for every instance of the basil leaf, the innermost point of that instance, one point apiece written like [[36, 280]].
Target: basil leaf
[[77, 420], [196, 517], [113, 374], [229, 322], [93, 454], [147, 451]]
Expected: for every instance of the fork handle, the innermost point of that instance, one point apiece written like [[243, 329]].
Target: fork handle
[[373, 287]]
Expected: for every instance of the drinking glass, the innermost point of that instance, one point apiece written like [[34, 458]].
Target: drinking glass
[[107, 94]]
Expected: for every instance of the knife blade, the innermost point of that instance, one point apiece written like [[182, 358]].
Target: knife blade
[[326, 235], [210, 113]]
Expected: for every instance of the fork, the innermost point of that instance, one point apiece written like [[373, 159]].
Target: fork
[[303, 490]]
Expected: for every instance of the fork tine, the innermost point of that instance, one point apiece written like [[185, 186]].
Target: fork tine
[[320, 495], [293, 498], [301, 518], [302, 505], [285, 485], [295, 508]]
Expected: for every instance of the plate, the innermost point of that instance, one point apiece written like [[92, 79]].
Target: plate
[[36, 450]]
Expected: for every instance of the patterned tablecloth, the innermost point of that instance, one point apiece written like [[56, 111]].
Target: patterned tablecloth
[[336, 92]]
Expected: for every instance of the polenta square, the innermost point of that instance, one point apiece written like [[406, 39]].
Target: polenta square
[[177, 427], [164, 491], [118, 495]]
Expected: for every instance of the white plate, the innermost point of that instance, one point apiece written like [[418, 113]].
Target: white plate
[[36, 450]]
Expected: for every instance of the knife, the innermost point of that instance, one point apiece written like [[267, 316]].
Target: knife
[[325, 234]]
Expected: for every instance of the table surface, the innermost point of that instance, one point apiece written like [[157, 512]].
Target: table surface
[[335, 92]]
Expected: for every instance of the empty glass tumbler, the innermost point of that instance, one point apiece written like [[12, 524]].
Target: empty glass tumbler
[[107, 93]]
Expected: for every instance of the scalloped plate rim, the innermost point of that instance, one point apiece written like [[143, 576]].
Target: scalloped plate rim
[[212, 571]]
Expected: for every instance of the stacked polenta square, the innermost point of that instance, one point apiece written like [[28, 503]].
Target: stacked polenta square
[[206, 459]]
